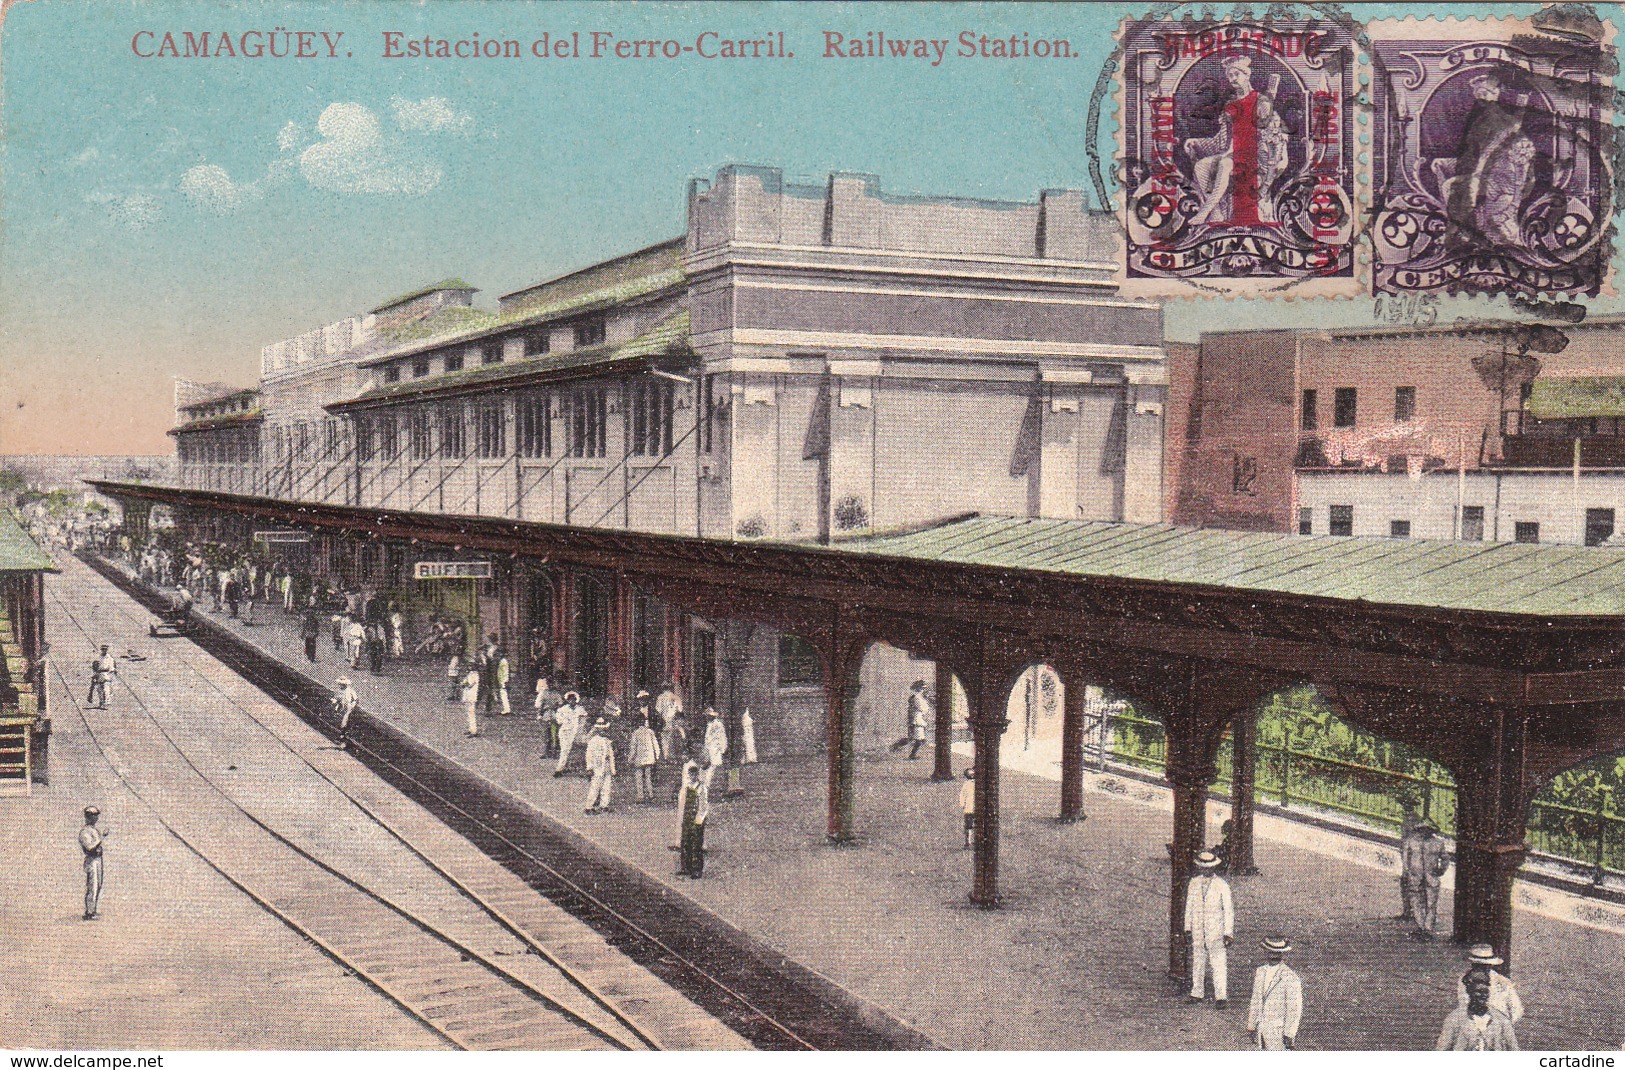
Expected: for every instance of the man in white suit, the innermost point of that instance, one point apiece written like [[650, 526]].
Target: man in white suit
[[1277, 1003], [1210, 919]]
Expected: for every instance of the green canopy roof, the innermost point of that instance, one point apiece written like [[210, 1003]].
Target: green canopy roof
[[18, 551], [1556, 399], [1495, 577]]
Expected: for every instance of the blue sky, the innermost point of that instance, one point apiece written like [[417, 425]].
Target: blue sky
[[168, 217]]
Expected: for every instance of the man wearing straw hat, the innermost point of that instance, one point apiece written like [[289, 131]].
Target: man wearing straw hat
[[1503, 994], [1424, 862], [344, 703], [1277, 1003], [601, 764], [1210, 919], [90, 845]]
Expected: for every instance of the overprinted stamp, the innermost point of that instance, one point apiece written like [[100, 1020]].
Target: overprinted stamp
[[1492, 158], [1237, 157]]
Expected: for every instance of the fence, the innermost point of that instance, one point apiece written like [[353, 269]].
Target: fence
[[1590, 839]]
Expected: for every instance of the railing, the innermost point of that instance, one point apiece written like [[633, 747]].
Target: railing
[[1590, 839]]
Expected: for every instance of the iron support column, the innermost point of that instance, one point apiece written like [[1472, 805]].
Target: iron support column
[[943, 739], [1243, 779], [1073, 729]]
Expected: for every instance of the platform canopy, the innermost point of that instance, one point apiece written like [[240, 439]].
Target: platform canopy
[[18, 551], [1493, 577]]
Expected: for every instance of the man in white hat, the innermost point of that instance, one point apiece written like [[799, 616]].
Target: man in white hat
[[569, 718], [1277, 1003], [90, 845], [1210, 919], [1424, 862], [716, 738], [601, 764], [344, 703], [470, 694], [1476, 1026], [1503, 994]]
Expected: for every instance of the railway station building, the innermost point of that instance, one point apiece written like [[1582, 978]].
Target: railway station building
[[25, 719], [806, 362]]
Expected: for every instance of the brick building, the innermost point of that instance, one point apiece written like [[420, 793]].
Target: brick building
[[1494, 431]]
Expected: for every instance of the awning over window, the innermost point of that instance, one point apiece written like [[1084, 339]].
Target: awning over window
[[1558, 399]]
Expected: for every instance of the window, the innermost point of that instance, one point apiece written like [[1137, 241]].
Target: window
[[1472, 523], [650, 405], [454, 361], [491, 353], [491, 432], [417, 434], [1399, 529], [1340, 520], [1599, 526], [536, 343], [1526, 531], [587, 418], [392, 374], [451, 432], [798, 663], [420, 368], [710, 412], [363, 439], [535, 428], [589, 332], [1306, 521], [389, 442], [1308, 419], [1404, 403], [1344, 401]]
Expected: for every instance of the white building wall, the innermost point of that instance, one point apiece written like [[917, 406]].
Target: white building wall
[[1550, 498]]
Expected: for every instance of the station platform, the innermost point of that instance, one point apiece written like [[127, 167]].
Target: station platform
[[1076, 957]]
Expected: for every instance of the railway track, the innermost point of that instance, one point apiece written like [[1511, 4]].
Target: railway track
[[460, 981], [769, 1006]]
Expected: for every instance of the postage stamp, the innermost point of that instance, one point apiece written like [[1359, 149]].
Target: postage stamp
[[1492, 158], [1236, 155]]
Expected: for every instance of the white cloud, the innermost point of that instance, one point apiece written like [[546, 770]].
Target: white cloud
[[431, 115], [289, 137], [353, 157], [212, 189], [134, 210]]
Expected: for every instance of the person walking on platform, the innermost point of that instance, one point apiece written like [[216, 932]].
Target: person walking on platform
[[1210, 921], [601, 764], [546, 703], [310, 630], [1477, 1026], [967, 805], [747, 737], [454, 677], [1425, 861], [643, 752], [1408, 823], [918, 717], [397, 632], [234, 594], [693, 807], [1277, 1004], [669, 707], [355, 640], [500, 674], [248, 604], [470, 694], [344, 704], [375, 647], [102, 669], [90, 845], [1503, 994], [716, 738], [569, 718]]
